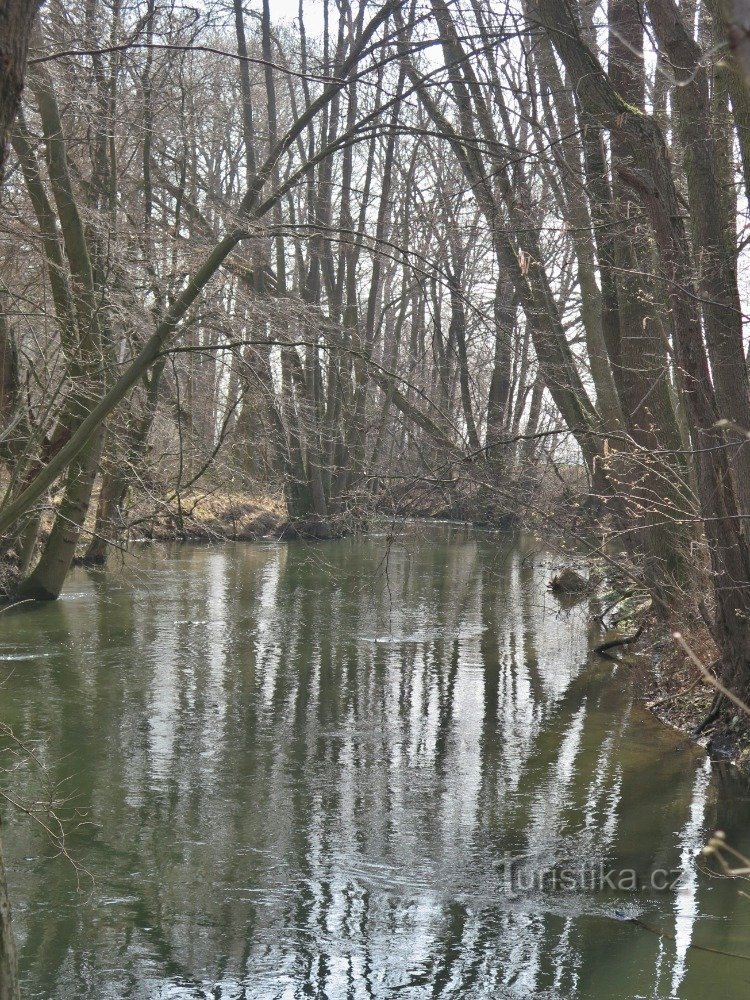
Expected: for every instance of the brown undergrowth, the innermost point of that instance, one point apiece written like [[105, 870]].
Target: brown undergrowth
[[673, 687], [209, 516]]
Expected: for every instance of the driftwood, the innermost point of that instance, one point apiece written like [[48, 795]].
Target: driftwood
[[626, 640]]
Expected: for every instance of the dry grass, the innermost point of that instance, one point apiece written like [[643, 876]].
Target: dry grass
[[213, 515], [208, 516]]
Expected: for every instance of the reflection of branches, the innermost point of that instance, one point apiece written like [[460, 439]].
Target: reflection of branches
[[45, 812], [730, 861], [717, 847]]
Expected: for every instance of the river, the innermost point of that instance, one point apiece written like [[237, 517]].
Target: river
[[385, 767]]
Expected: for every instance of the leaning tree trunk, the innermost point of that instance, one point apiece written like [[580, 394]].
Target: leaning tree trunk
[[524, 263], [85, 366], [46, 580], [117, 473]]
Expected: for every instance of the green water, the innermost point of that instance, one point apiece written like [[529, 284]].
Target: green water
[[305, 768]]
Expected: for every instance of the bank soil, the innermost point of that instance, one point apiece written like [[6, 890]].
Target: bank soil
[[667, 680], [674, 689]]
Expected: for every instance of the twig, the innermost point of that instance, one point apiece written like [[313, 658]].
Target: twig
[[714, 681], [27, 600], [675, 694]]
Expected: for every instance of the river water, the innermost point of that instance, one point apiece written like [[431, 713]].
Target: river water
[[375, 768]]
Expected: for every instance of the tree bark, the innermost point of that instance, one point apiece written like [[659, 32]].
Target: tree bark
[[8, 958], [46, 580], [647, 171], [715, 251], [735, 15], [16, 23]]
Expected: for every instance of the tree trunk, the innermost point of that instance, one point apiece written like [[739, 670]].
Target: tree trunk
[[9, 388], [498, 399], [47, 578], [525, 262], [8, 960], [16, 22], [735, 15], [715, 251], [458, 333], [647, 170], [108, 524]]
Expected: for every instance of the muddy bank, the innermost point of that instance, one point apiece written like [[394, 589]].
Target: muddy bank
[[672, 687], [677, 693], [666, 678]]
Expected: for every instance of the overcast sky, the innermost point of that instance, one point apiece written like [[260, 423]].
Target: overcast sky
[[287, 10]]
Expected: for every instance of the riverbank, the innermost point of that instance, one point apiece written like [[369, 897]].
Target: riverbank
[[215, 514], [674, 689], [491, 499], [200, 516], [207, 516], [667, 680]]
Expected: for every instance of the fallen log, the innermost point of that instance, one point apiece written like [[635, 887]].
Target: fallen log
[[626, 640]]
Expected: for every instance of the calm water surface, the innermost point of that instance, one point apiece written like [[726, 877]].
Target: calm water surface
[[306, 769]]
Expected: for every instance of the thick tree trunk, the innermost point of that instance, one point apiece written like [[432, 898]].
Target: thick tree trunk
[[715, 251], [651, 479], [108, 524], [48, 576], [117, 470], [735, 15], [594, 305], [16, 22], [8, 960]]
